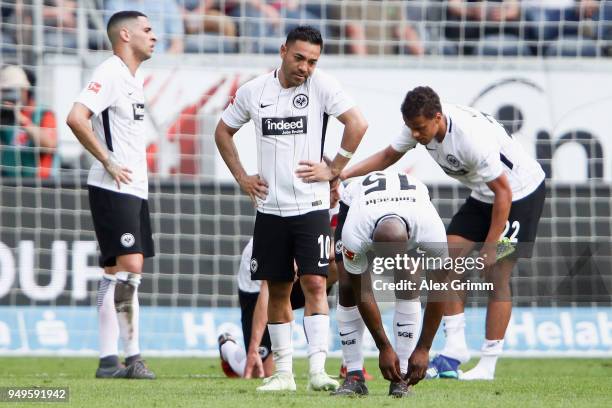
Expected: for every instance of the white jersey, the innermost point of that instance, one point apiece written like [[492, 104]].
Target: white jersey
[[476, 150], [290, 125], [117, 101], [380, 194]]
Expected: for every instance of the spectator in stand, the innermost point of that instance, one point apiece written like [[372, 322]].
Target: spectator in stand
[[164, 15], [485, 27], [264, 23], [378, 28], [28, 134], [60, 24], [208, 28], [568, 28]]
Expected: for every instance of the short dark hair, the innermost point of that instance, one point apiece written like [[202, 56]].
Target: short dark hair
[[121, 16], [305, 33], [422, 100]]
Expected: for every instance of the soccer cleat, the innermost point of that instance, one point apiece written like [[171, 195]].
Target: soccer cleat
[[138, 370], [227, 369], [352, 386], [443, 367], [504, 248], [278, 382], [367, 376], [322, 382], [399, 389], [112, 372]]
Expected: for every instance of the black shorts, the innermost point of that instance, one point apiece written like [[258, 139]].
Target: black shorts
[[277, 241], [122, 224], [473, 220], [338, 232]]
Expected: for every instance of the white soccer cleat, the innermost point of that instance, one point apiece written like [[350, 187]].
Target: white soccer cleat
[[476, 374], [278, 382], [322, 382]]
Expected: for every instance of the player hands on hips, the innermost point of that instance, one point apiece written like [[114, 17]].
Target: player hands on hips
[[289, 108], [118, 187], [506, 201]]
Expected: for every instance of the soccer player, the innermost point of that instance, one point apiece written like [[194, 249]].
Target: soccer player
[[118, 186], [290, 107], [507, 199], [253, 296], [385, 208]]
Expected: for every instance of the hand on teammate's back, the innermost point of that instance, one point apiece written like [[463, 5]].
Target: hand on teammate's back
[[417, 365], [388, 362], [118, 172], [311, 171], [254, 186]]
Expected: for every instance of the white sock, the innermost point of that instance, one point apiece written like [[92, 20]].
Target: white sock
[[108, 327], [454, 332], [406, 327], [350, 329], [129, 318], [282, 346], [235, 357], [317, 335], [491, 350]]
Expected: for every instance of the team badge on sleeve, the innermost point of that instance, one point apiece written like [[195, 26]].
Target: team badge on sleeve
[[94, 87]]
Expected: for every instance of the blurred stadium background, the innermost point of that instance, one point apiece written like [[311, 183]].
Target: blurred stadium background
[[542, 67]]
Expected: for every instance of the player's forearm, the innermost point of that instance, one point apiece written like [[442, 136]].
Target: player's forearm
[[229, 153], [82, 130], [499, 215], [431, 322], [378, 161], [355, 127], [260, 318], [369, 310]]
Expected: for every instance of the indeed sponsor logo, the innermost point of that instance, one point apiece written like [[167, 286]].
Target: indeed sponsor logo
[[293, 125], [562, 331]]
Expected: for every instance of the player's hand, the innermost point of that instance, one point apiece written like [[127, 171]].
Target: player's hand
[[489, 255], [255, 187], [388, 362], [311, 171], [417, 365], [254, 366], [119, 173]]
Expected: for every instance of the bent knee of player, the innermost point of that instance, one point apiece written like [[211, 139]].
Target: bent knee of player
[[314, 285]]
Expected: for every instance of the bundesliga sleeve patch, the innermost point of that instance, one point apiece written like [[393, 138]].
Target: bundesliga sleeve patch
[[349, 254], [94, 87]]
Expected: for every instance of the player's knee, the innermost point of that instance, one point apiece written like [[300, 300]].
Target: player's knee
[[314, 285], [129, 263]]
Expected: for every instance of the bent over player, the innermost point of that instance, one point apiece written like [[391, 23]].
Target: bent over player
[[392, 209]]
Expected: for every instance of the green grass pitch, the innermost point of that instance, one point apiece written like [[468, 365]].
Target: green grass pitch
[[199, 382]]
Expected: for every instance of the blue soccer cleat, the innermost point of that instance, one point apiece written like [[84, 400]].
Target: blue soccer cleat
[[443, 367]]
